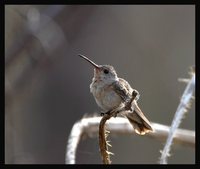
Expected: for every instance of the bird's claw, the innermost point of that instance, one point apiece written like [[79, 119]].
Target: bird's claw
[[102, 114]]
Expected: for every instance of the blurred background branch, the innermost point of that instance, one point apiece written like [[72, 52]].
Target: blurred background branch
[[183, 106], [89, 127]]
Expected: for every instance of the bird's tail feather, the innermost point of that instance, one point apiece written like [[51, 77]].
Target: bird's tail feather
[[140, 124]]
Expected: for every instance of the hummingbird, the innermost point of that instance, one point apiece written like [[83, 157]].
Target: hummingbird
[[111, 92]]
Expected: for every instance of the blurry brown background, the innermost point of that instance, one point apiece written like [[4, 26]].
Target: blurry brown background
[[47, 84]]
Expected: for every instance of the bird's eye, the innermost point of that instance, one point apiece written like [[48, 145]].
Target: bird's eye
[[106, 71]]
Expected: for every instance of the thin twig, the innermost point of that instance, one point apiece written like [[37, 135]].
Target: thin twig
[[181, 110], [103, 133]]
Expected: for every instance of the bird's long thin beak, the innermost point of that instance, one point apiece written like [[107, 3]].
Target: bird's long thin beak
[[94, 64]]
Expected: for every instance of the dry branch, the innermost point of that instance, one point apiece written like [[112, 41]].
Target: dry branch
[[181, 110], [103, 133], [90, 127]]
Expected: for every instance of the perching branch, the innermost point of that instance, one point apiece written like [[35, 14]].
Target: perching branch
[[89, 127], [181, 110], [103, 134]]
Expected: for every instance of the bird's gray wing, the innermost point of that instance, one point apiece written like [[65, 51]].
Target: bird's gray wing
[[136, 118], [121, 89]]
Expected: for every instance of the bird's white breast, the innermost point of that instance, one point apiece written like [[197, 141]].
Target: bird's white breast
[[105, 96]]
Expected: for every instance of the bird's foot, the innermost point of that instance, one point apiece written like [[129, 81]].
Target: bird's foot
[[109, 112], [103, 113]]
